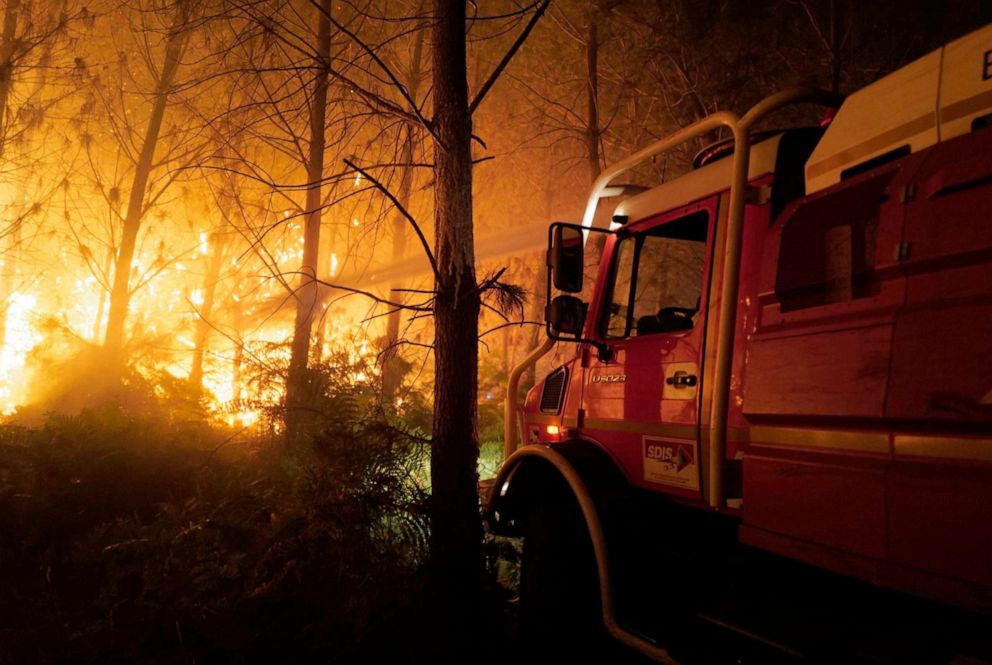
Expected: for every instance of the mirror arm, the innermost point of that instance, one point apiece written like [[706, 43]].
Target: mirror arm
[[602, 348]]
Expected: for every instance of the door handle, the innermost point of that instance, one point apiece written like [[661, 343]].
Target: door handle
[[682, 379]]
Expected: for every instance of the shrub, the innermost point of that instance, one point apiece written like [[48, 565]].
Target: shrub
[[155, 539]]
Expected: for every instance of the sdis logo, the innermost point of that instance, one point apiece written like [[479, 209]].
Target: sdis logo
[[670, 455], [660, 453]]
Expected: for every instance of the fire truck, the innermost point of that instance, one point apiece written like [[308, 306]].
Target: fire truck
[[775, 430]]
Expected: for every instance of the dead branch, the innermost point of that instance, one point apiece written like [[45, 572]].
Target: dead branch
[[508, 56], [403, 211]]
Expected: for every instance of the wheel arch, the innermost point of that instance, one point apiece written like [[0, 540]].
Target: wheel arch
[[529, 476], [584, 470]]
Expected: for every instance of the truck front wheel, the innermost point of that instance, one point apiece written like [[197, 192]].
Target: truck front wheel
[[560, 610]]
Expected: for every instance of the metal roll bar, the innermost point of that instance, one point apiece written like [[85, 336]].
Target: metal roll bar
[[512, 387], [731, 278]]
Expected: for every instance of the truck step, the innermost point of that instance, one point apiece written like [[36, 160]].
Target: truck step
[[739, 638]]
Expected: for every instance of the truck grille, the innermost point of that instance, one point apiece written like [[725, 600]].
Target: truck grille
[[554, 391]]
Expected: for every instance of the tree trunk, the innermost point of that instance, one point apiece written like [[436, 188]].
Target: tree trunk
[[597, 241], [102, 302], [8, 277], [215, 260], [6, 81], [120, 294], [306, 295], [456, 528], [7, 47], [592, 97], [535, 334], [835, 61], [391, 370], [237, 389]]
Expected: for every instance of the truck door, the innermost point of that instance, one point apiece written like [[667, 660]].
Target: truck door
[[642, 400]]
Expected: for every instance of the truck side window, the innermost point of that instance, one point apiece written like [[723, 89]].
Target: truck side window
[[827, 253], [658, 279]]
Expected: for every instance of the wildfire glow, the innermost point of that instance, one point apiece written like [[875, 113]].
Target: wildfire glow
[[213, 260], [21, 338]]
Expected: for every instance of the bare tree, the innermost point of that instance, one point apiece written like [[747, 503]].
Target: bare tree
[[390, 365], [306, 300], [216, 254], [456, 532], [176, 39], [457, 297]]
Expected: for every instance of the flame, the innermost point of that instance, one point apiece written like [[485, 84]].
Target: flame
[[239, 396], [21, 338], [62, 308]]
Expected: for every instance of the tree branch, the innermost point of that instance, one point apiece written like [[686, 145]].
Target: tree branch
[[512, 51], [372, 296], [510, 324], [403, 211], [427, 124]]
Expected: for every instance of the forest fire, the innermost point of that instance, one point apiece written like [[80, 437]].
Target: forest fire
[[50, 319], [297, 365], [21, 337]]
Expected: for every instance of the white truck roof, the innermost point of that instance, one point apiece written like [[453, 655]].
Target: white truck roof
[[932, 99]]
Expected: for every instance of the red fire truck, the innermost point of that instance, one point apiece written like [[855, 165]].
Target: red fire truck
[[776, 425]]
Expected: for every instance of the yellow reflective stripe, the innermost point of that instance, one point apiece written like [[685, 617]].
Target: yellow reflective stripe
[[908, 445], [832, 439], [541, 419], [966, 106], [951, 448], [739, 434], [874, 144], [877, 443], [640, 427]]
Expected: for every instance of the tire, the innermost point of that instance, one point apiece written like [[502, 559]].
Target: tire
[[560, 611]]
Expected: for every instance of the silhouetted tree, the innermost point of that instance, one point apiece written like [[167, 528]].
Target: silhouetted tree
[[177, 35]]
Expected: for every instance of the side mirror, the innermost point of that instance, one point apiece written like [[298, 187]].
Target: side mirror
[[566, 314], [567, 258]]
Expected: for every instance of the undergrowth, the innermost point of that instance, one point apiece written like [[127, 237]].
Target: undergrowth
[[151, 535]]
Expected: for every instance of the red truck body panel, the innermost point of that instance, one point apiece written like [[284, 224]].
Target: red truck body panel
[[860, 417]]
